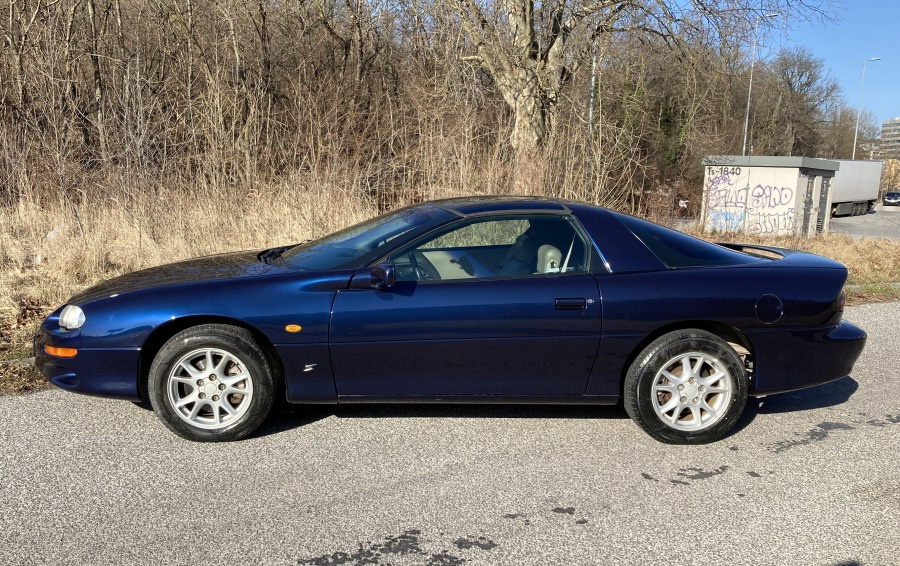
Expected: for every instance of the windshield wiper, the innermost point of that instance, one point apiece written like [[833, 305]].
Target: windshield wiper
[[275, 253], [268, 255]]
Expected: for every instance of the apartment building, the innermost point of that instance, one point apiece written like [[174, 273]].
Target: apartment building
[[890, 138]]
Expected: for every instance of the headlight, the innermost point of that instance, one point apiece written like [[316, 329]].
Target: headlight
[[71, 317]]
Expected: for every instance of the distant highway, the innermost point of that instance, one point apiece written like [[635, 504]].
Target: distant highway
[[883, 222]]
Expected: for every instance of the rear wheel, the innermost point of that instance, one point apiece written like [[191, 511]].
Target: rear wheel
[[686, 387], [211, 383]]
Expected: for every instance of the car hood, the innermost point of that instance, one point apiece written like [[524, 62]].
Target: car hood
[[221, 266]]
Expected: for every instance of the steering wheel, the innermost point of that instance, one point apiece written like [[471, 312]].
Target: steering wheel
[[423, 273], [420, 272]]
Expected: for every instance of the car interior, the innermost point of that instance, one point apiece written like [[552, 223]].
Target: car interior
[[506, 247]]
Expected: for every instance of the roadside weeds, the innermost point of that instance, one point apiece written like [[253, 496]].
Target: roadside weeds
[[37, 274]]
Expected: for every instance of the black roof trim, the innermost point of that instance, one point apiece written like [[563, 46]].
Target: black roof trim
[[493, 204], [454, 212]]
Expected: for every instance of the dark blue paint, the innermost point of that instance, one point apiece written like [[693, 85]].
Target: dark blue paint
[[466, 337], [620, 248], [793, 359], [79, 374], [307, 373], [494, 340]]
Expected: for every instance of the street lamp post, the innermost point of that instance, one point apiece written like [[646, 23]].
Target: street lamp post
[[862, 83], [750, 88]]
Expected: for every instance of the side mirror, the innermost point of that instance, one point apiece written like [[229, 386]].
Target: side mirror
[[381, 277]]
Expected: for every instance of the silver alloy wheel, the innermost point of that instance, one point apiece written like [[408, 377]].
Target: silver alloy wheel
[[210, 388], [692, 391]]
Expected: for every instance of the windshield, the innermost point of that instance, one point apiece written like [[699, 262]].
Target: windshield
[[357, 245]]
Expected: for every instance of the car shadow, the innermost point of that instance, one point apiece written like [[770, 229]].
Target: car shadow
[[289, 417], [294, 416], [828, 395], [481, 411]]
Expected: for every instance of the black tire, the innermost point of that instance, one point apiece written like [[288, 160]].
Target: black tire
[[702, 408], [226, 401]]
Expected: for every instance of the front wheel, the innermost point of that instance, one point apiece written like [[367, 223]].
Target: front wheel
[[686, 387], [211, 383]]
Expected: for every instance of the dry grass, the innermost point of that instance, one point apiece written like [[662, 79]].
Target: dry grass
[[50, 250], [16, 379], [868, 261], [873, 265], [873, 293]]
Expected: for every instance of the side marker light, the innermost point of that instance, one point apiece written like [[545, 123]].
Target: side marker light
[[61, 352]]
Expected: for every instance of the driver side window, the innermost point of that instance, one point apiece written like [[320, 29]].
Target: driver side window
[[510, 246]]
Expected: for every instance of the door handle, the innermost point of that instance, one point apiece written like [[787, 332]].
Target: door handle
[[571, 304]]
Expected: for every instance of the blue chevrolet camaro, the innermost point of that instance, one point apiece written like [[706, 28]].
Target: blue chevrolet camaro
[[476, 300]]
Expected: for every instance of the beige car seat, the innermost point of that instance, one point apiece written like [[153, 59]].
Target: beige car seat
[[548, 259]]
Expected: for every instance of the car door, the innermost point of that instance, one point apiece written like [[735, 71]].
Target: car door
[[473, 312]]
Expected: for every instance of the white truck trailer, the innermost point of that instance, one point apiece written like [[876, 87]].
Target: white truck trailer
[[855, 187]]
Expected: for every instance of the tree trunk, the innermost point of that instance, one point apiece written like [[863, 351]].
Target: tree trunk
[[530, 123], [98, 101], [529, 132], [524, 96]]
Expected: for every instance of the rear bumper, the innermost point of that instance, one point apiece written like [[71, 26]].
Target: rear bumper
[[99, 372], [793, 359]]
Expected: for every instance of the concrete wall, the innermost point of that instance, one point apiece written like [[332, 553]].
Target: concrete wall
[[757, 200]]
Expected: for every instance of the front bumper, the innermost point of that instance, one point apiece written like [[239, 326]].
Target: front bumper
[[786, 360], [99, 372]]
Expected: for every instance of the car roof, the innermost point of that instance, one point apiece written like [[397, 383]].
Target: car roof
[[471, 206]]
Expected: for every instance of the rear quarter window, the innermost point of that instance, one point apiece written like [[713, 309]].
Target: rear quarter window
[[676, 249]]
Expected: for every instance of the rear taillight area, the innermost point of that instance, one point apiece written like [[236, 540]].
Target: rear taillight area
[[839, 304]]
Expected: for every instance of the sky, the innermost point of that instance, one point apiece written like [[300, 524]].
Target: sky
[[864, 29]]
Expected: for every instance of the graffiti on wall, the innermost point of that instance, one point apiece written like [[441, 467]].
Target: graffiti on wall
[[733, 205], [725, 220]]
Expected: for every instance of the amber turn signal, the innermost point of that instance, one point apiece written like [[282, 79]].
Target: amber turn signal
[[292, 328], [61, 352]]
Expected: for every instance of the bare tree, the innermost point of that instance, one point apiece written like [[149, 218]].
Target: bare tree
[[806, 94], [527, 46], [387, 101]]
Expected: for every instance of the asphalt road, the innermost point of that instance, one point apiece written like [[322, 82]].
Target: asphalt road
[[883, 222], [809, 478]]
